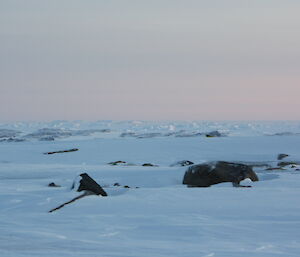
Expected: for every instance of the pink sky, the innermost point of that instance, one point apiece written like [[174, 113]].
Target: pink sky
[[149, 60]]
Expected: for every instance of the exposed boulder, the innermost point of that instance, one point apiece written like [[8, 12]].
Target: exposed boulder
[[207, 174]]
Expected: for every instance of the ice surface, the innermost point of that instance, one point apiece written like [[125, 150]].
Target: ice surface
[[73, 130], [161, 217]]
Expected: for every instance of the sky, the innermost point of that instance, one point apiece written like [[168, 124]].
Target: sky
[[149, 60]]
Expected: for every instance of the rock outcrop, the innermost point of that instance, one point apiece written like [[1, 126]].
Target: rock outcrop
[[88, 184], [207, 174]]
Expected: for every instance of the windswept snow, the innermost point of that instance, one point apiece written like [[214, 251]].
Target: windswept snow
[[157, 215]]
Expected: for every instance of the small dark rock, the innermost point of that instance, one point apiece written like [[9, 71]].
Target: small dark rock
[[117, 185], [149, 165], [105, 130], [282, 156], [126, 186], [52, 184], [116, 162], [214, 134]]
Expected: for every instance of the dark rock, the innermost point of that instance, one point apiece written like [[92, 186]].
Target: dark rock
[[117, 185], [88, 184], [214, 134], [149, 165], [282, 156], [116, 163], [182, 163], [207, 174], [297, 169], [126, 186], [52, 184], [63, 151]]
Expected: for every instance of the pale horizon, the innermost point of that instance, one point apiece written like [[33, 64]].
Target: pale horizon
[[159, 60]]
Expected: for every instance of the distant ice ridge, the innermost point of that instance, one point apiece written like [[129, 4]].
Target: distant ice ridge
[[19, 131], [181, 133], [46, 134], [4, 133], [56, 133]]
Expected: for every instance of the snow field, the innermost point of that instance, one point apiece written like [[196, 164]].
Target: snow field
[[160, 218]]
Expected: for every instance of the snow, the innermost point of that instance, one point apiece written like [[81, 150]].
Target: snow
[[156, 216]]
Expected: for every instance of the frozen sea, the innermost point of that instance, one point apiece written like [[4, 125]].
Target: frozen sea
[[157, 216]]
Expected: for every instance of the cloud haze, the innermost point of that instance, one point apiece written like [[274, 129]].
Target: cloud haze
[[167, 59]]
